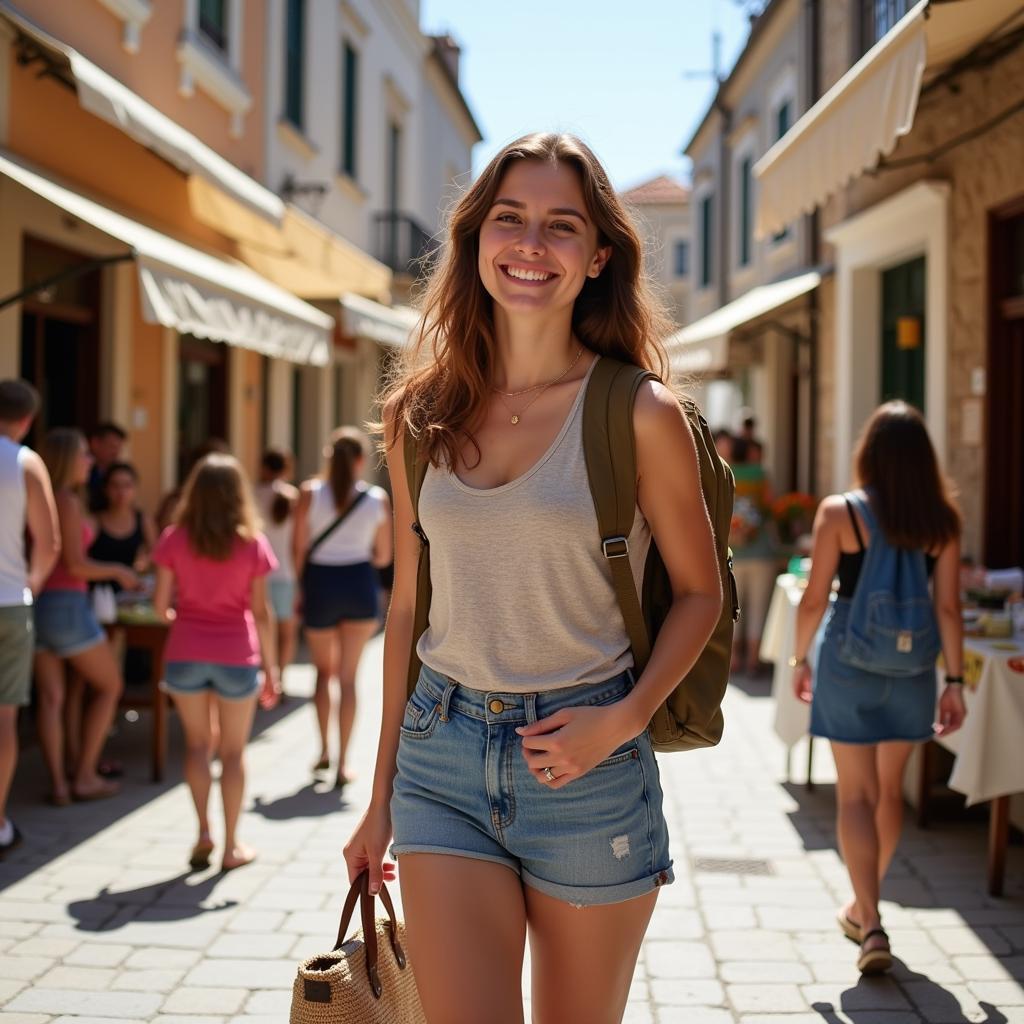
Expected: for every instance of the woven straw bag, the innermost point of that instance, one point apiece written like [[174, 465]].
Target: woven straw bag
[[352, 984]]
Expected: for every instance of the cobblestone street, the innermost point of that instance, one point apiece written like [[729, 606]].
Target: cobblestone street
[[100, 922]]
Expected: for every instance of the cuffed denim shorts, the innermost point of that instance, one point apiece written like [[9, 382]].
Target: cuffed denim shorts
[[463, 788], [229, 682], [65, 623]]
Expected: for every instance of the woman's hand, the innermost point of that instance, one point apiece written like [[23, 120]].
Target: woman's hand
[[368, 845], [126, 577], [802, 683], [572, 741], [952, 710], [270, 694]]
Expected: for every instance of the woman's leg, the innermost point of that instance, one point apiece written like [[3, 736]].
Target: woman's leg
[[235, 726], [466, 922], [322, 645], [352, 636], [891, 763], [49, 676], [74, 709], [194, 712], [103, 677], [857, 803], [287, 635], [582, 960]]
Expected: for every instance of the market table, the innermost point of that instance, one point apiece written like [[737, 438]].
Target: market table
[[987, 765], [149, 634]]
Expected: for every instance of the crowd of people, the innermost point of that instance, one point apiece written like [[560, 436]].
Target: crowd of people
[[74, 537]]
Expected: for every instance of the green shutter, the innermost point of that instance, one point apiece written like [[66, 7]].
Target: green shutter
[[349, 106], [706, 249], [903, 294], [745, 211], [295, 29]]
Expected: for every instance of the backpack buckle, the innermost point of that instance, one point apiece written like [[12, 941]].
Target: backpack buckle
[[622, 552], [418, 530]]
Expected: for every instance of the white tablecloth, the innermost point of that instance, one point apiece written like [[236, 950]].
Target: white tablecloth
[[989, 748]]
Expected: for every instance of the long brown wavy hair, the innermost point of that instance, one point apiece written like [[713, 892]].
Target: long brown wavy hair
[[912, 497], [345, 447], [442, 391], [216, 507], [60, 450]]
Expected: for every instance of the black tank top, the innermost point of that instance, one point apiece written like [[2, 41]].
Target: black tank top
[[124, 550], [850, 563]]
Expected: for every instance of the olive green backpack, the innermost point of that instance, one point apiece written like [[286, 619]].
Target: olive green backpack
[[691, 716]]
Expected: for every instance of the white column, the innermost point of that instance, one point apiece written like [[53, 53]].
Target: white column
[[279, 400], [116, 343]]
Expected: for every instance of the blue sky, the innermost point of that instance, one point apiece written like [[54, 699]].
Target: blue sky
[[611, 71]]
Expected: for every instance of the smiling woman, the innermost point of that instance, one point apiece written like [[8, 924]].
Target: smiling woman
[[519, 780]]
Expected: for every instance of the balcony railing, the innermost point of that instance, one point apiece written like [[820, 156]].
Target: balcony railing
[[402, 243]]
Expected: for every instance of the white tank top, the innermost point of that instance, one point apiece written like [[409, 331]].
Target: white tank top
[[279, 535], [352, 542], [522, 598], [13, 568]]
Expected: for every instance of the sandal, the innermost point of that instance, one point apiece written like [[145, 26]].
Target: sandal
[[877, 960], [322, 765], [848, 926], [199, 860]]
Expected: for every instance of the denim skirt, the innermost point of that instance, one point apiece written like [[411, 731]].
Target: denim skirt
[[854, 706], [463, 788]]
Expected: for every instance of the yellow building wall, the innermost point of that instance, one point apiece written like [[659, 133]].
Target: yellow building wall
[[154, 72]]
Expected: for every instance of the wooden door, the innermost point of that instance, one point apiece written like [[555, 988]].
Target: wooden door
[[202, 398], [1004, 488]]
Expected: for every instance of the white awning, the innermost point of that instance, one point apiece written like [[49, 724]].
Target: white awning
[[389, 325], [863, 116], [115, 103], [703, 346], [193, 291]]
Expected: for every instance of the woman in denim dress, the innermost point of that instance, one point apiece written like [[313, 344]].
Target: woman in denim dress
[[519, 781]]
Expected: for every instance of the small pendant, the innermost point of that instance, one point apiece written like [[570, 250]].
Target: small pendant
[[515, 420]]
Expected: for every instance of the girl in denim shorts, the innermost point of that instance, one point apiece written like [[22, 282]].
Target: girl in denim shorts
[[518, 782], [214, 562]]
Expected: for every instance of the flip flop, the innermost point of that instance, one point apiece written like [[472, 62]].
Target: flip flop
[[848, 926], [877, 960], [199, 860], [322, 765]]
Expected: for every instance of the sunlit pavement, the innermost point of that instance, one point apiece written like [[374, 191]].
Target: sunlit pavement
[[100, 921]]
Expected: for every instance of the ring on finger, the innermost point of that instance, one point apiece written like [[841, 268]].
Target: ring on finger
[[550, 775]]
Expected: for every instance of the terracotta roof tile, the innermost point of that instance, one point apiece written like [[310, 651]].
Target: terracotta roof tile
[[661, 189]]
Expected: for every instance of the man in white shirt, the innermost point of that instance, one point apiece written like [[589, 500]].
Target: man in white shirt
[[27, 500]]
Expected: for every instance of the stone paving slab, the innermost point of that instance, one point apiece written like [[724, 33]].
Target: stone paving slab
[[100, 922]]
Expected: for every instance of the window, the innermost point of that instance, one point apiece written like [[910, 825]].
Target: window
[[349, 109], [877, 17], [682, 259], [746, 220], [783, 122], [394, 166], [706, 248], [213, 22], [295, 26]]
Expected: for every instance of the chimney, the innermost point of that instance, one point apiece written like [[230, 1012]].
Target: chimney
[[449, 51]]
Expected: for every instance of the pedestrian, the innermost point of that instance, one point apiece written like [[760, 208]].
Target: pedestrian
[[343, 534], [884, 540], [67, 630], [27, 500], [724, 443], [754, 544], [106, 445], [519, 779], [211, 586], [276, 500]]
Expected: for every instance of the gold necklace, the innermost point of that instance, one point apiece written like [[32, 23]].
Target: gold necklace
[[539, 388]]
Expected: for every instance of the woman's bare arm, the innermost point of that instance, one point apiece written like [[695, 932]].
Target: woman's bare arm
[[384, 540], [946, 596], [77, 562], [824, 562]]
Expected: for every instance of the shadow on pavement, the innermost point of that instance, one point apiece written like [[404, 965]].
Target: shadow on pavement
[[313, 800], [171, 900], [757, 685]]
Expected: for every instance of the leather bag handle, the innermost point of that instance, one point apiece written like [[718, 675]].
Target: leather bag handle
[[360, 891]]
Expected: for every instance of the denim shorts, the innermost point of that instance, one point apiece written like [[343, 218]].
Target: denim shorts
[[281, 594], [463, 788], [229, 682], [65, 623]]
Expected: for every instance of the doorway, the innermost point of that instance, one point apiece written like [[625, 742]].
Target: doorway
[[60, 351], [903, 333], [202, 398], [1004, 447]]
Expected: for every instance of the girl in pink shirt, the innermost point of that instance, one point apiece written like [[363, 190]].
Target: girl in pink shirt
[[214, 561]]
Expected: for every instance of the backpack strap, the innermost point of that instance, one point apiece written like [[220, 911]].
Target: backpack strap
[[853, 519], [415, 471], [609, 447]]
